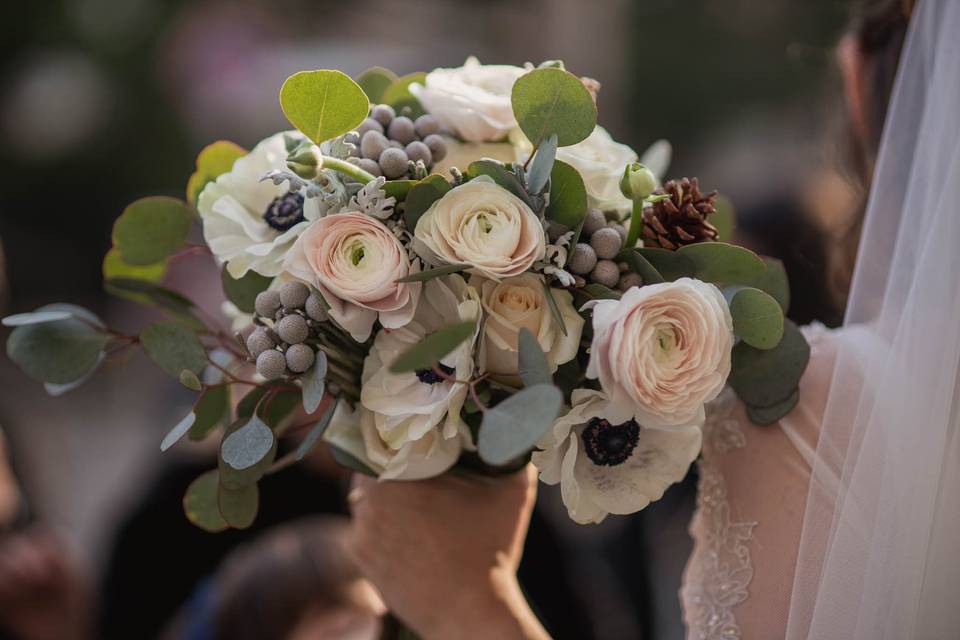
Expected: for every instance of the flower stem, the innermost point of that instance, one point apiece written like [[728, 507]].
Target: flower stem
[[636, 223], [347, 169]]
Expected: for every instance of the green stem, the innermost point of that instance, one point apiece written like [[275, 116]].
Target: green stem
[[347, 169], [636, 223]]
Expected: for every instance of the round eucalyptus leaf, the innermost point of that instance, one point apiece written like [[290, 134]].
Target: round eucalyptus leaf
[[114, 266], [35, 317], [568, 195], [214, 160], [179, 430], [151, 229], [58, 352], [173, 347], [722, 262], [497, 172], [553, 101], [765, 377], [200, 503], [243, 291], [190, 380], [314, 383], [757, 318], [432, 348], [323, 104], [775, 282], [374, 82], [512, 427], [769, 415], [398, 94], [238, 506], [421, 196], [211, 409], [533, 368], [248, 445], [671, 265]]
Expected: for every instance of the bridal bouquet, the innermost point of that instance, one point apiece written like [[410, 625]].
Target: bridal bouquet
[[454, 268]]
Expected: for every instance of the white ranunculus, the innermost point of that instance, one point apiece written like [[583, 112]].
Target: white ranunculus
[[472, 101], [482, 224], [662, 351], [408, 406], [236, 207], [355, 432], [518, 303], [605, 465]]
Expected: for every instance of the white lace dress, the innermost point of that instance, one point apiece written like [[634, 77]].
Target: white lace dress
[[750, 503]]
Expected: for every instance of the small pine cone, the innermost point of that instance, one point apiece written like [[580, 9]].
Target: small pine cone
[[680, 219]]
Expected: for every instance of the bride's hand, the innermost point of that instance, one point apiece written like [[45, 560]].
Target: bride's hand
[[444, 552]]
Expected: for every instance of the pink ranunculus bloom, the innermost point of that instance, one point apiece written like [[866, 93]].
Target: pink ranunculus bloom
[[662, 351], [355, 262]]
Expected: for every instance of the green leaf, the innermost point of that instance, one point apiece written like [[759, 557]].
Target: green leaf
[[314, 383], [35, 317], [248, 445], [214, 160], [553, 101], [280, 407], [398, 95], [211, 409], [238, 506], [600, 292], [533, 367], [350, 461], [763, 378], [200, 503], [323, 104], [374, 82], [769, 415], [170, 301], [421, 196], [568, 195], [757, 318], [724, 219], [151, 229], [190, 380], [642, 267], [115, 267], [243, 292], [398, 188], [234, 478], [513, 427], [432, 348], [672, 265], [436, 272], [313, 437], [179, 430], [499, 174], [775, 282], [59, 352], [722, 262], [173, 347], [248, 403], [542, 165], [554, 307]]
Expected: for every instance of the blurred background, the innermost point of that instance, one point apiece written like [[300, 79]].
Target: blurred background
[[104, 101]]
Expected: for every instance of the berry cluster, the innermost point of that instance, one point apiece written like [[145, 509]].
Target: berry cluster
[[593, 256], [391, 145], [284, 348]]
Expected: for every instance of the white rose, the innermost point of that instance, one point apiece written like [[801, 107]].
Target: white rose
[[662, 351], [407, 406], [472, 101], [608, 465], [482, 224], [518, 303], [250, 224]]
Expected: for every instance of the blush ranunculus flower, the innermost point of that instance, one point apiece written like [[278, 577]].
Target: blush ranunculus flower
[[481, 224], [472, 101], [355, 262], [662, 351], [520, 303]]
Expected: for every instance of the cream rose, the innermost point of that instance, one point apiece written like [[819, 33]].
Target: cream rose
[[482, 224], [662, 351], [518, 303], [355, 262], [472, 101]]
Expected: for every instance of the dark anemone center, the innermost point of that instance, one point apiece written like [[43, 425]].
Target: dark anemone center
[[285, 211], [429, 376], [610, 444]]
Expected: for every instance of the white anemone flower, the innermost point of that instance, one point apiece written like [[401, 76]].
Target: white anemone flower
[[250, 223], [607, 468], [409, 406]]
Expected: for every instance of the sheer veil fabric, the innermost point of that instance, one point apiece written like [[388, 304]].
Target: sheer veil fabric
[[879, 553]]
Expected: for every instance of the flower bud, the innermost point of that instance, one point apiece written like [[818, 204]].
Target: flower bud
[[306, 162], [637, 182]]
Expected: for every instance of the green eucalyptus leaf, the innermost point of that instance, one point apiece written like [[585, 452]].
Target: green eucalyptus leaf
[[769, 415], [757, 318], [374, 82], [765, 377], [173, 347], [554, 307], [151, 229], [309, 442], [532, 361], [235, 478], [724, 219], [211, 409], [497, 172], [115, 267], [599, 292], [238, 506], [542, 165], [421, 196], [248, 445], [323, 104], [59, 352], [398, 95], [722, 262], [214, 160], [432, 348], [671, 265], [398, 188], [170, 301], [350, 461], [642, 267], [200, 503], [436, 272], [553, 101], [243, 291], [276, 410], [179, 430], [512, 427], [314, 383], [568, 195], [35, 317], [190, 380], [775, 282], [248, 403]]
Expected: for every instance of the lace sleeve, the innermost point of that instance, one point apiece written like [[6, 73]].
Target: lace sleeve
[[750, 503]]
